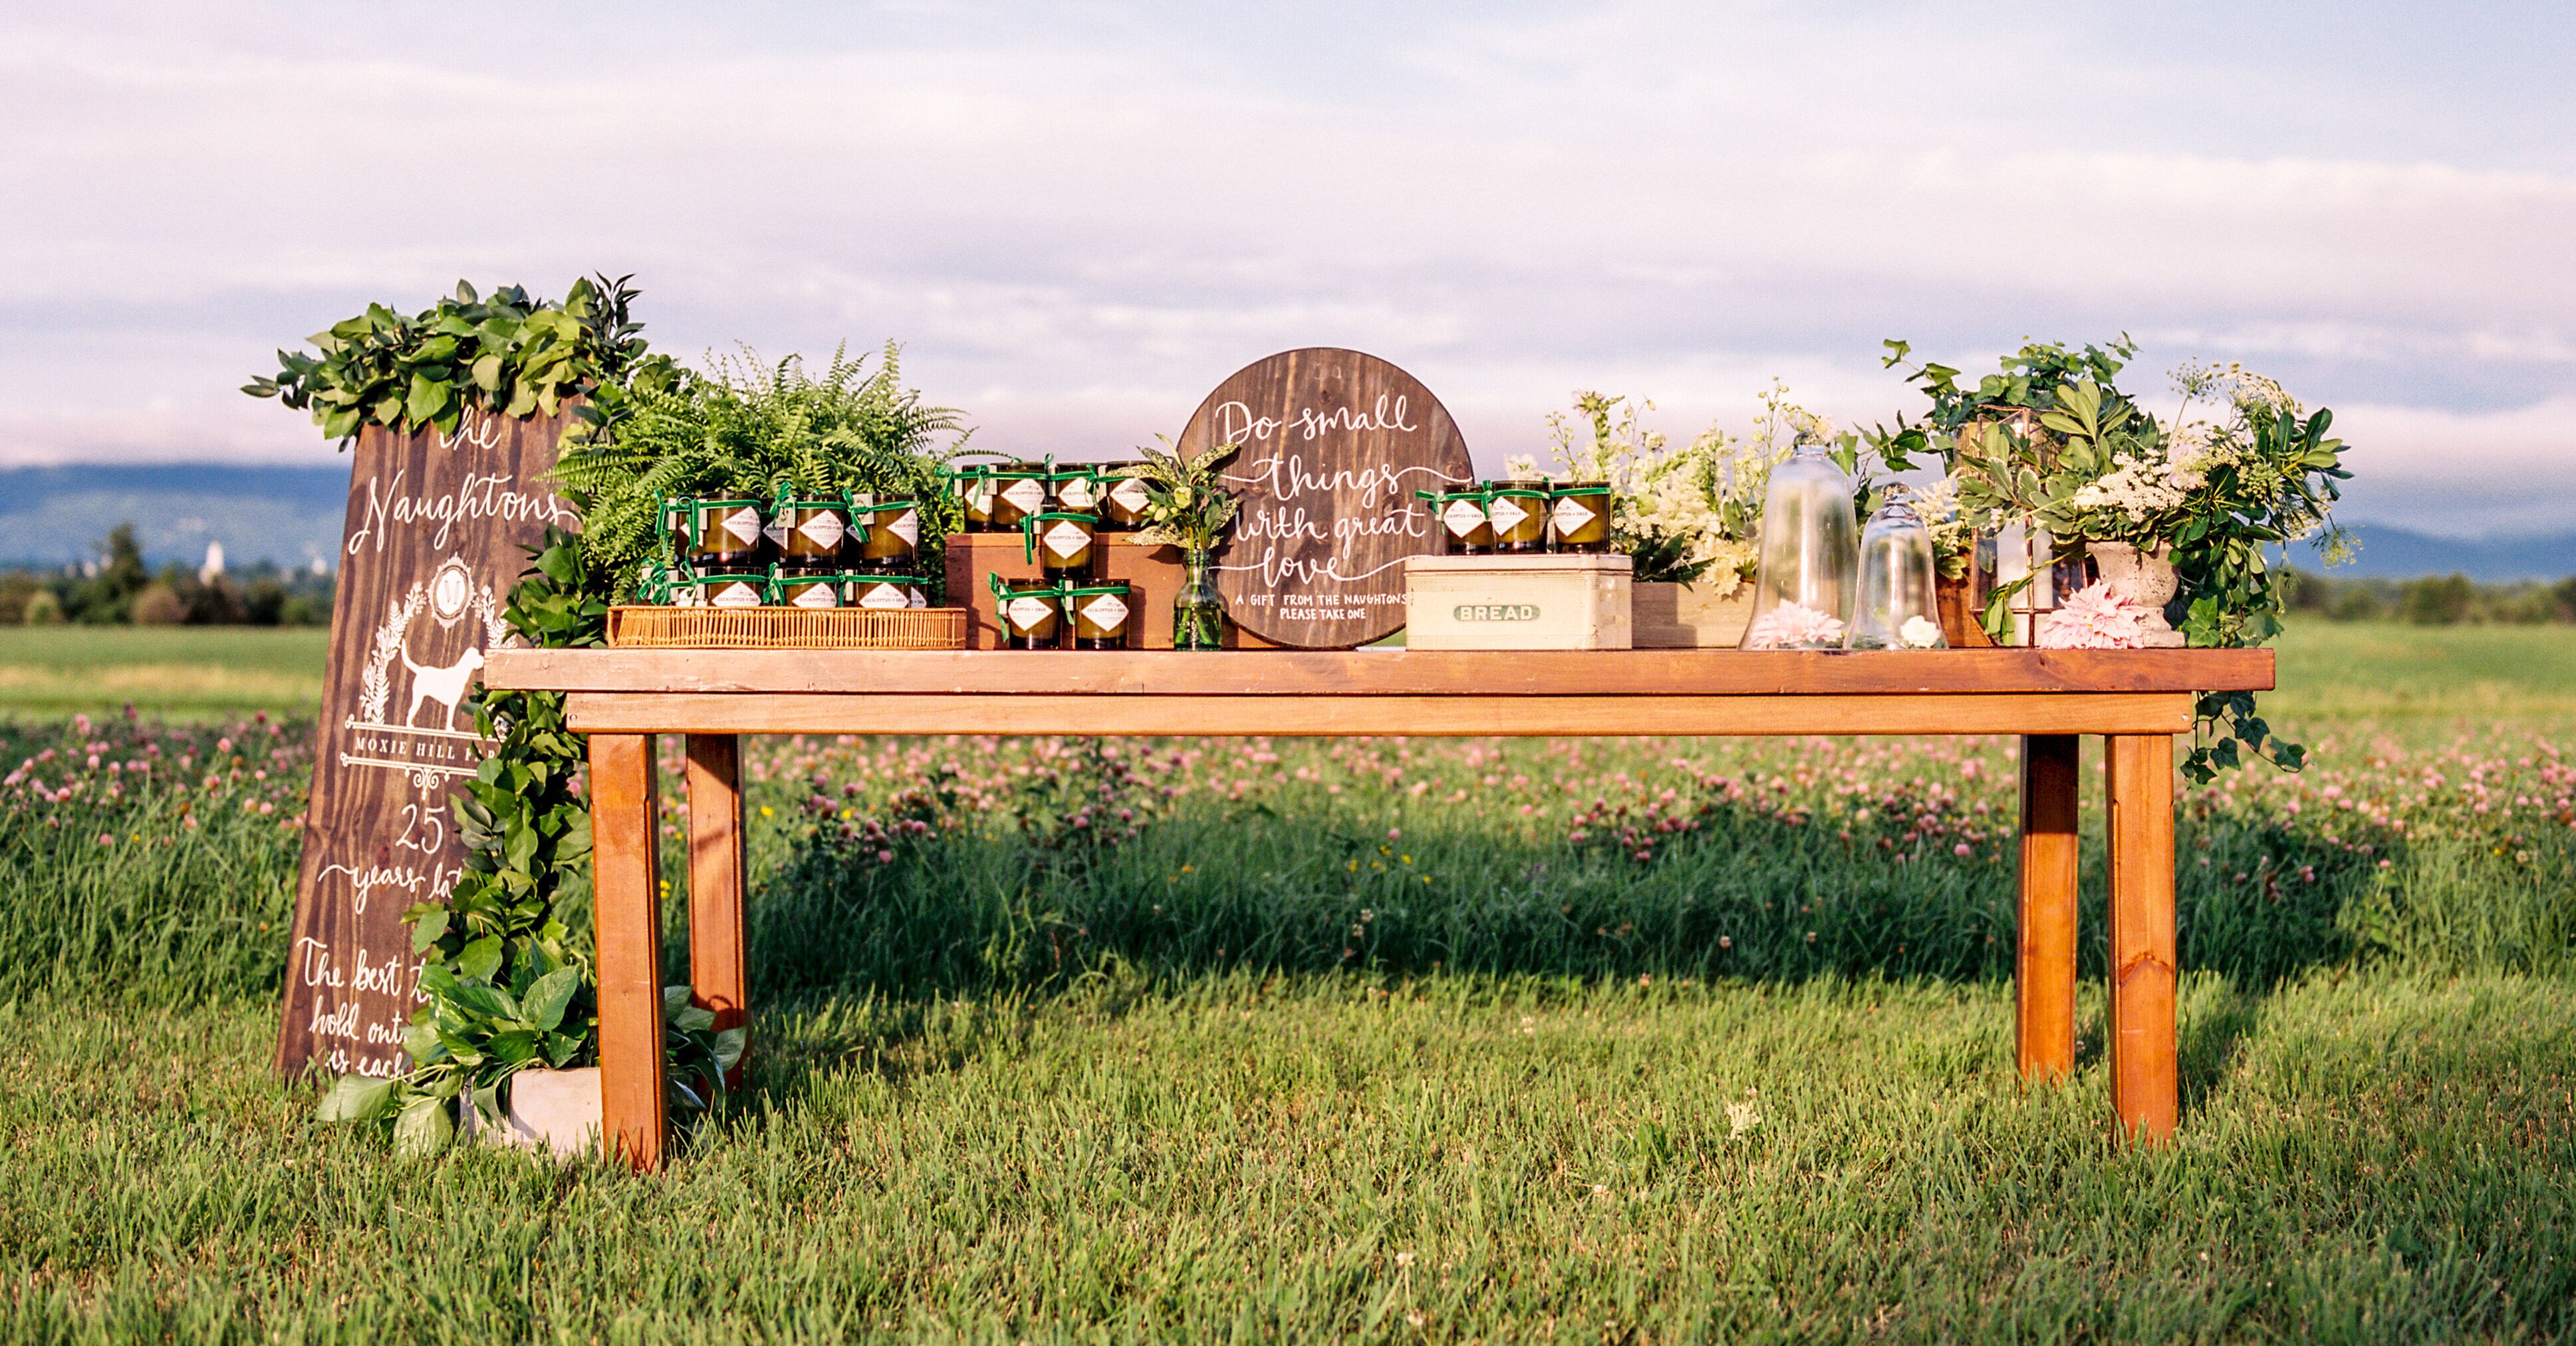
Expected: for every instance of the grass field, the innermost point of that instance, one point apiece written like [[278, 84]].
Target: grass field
[[1383, 1041], [180, 672]]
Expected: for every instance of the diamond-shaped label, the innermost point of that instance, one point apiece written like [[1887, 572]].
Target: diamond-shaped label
[[824, 530], [1129, 495], [1075, 492], [907, 526], [1506, 513], [1067, 539], [882, 596], [1462, 516], [1026, 613], [1025, 493], [1571, 514], [1106, 611], [815, 596], [744, 524], [735, 594]]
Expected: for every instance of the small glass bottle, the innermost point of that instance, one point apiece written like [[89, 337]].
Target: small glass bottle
[[1198, 613], [1898, 607], [1810, 540]]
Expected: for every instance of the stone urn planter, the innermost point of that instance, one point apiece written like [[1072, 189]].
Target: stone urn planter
[[2145, 578], [1687, 617], [555, 1111]]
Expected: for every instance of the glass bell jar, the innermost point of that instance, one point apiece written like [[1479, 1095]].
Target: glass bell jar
[[1896, 607], [1802, 593]]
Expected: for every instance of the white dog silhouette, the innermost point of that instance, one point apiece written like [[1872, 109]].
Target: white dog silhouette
[[446, 686]]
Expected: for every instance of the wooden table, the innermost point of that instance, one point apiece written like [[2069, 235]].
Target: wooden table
[[2137, 699]]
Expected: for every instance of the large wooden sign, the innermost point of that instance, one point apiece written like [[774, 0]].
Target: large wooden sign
[[1335, 443], [438, 530]]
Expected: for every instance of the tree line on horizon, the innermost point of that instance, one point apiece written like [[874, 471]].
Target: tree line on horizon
[[120, 588]]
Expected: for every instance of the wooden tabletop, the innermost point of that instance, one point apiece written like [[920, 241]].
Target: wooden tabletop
[[1407, 673]]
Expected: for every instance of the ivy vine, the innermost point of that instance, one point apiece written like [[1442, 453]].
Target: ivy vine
[[509, 984]]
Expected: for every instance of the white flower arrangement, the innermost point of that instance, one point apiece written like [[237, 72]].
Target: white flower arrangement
[[1684, 513]]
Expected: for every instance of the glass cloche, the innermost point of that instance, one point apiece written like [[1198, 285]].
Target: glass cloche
[[1896, 607], [1802, 593]]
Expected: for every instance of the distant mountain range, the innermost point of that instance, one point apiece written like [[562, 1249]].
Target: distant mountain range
[[51, 516], [2390, 552]]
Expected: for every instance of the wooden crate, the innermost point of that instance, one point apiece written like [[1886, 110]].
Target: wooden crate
[[1688, 617], [1536, 602], [1155, 573], [642, 627]]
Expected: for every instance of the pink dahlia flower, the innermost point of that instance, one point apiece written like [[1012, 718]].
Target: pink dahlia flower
[[2093, 619]]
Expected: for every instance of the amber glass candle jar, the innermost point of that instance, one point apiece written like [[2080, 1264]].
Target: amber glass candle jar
[[885, 592], [1074, 488], [893, 529], [811, 535], [745, 590], [1579, 516], [1104, 616], [1465, 527], [812, 591], [1020, 490], [975, 489], [726, 535], [1061, 544], [1032, 613], [1122, 499], [1518, 515]]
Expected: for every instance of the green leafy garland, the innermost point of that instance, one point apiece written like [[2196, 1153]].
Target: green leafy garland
[[508, 984], [510, 355]]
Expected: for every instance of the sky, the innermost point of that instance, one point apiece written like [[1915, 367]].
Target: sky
[[1079, 218]]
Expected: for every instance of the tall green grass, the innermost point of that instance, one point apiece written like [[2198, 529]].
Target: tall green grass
[[1447, 1159], [1245, 1074]]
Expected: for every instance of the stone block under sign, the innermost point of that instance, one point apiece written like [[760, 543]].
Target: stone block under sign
[[1536, 602]]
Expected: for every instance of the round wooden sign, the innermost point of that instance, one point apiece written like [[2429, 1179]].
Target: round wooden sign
[[1335, 443]]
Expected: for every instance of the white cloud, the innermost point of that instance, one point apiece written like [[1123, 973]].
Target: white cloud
[[1077, 231]]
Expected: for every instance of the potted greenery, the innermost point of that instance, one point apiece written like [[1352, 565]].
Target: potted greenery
[[1186, 508], [2177, 515], [749, 427]]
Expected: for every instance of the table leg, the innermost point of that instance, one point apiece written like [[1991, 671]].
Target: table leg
[[2142, 934], [2044, 975], [627, 912], [716, 958]]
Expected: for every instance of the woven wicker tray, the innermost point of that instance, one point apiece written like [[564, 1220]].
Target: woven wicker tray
[[787, 628]]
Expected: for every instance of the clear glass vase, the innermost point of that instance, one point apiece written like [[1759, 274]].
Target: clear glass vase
[[1898, 606], [1810, 539], [1198, 615]]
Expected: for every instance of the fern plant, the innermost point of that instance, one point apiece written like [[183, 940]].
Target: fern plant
[[748, 428]]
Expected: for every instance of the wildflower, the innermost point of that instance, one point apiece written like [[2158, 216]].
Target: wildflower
[[1741, 1117]]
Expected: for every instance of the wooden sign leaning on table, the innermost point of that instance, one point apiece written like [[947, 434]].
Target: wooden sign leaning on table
[[1334, 444], [438, 530]]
